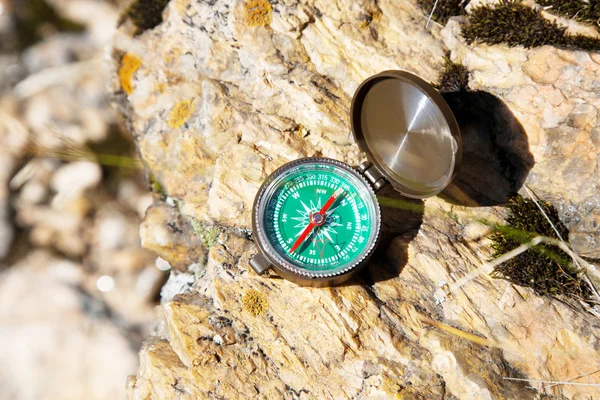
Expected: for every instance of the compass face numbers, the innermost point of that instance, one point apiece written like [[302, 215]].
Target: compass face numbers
[[317, 216]]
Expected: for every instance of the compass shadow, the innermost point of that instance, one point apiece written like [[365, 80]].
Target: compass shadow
[[496, 158], [400, 224]]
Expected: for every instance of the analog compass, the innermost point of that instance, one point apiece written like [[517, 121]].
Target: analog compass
[[316, 218], [316, 221]]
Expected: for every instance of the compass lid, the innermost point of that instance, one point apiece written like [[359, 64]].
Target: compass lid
[[407, 131]]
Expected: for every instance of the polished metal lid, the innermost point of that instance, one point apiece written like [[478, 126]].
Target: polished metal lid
[[407, 131]]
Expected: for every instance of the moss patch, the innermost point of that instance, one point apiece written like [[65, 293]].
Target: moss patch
[[544, 268], [181, 112], [516, 24], [129, 66], [453, 78], [583, 11], [254, 302], [258, 12], [444, 9], [145, 14]]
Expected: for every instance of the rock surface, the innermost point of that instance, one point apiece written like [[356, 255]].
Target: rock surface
[[233, 334], [222, 93]]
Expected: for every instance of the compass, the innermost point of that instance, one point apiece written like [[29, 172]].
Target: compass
[[316, 221]]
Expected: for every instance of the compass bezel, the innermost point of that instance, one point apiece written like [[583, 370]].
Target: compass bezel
[[282, 266]]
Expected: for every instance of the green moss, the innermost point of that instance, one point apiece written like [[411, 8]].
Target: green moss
[[516, 24], [453, 78], [34, 18], [444, 9], [157, 188], [582, 42], [583, 11], [209, 235], [145, 14], [544, 268]]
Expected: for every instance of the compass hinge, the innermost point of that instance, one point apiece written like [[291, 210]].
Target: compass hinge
[[372, 174], [260, 264]]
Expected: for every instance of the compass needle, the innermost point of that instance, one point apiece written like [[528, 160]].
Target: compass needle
[[334, 208]]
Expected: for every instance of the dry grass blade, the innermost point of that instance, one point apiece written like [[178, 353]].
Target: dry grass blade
[[572, 379], [586, 267], [552, 382], [584, 11], [441, 11], [80, 153], [431, 15], [487, 267], [457, 332], [526, 240], [68, 150], [517, 24], [410, 312], [549, 269], [534, 198]]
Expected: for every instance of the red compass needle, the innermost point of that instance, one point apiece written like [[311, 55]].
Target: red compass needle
[[312, 223]]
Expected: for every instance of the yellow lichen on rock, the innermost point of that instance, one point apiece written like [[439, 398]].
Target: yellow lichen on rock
[[161, 87], [181, 112], [259, 12], [254, 302], [129, 65]]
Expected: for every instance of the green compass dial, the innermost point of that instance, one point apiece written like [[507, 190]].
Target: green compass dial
[[319, 216]]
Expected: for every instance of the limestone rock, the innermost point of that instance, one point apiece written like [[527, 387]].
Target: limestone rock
[[169, 235], [227, 91], [260, 96], [367, 340]]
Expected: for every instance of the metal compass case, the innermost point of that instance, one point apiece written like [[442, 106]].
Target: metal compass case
[[316, 221]]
